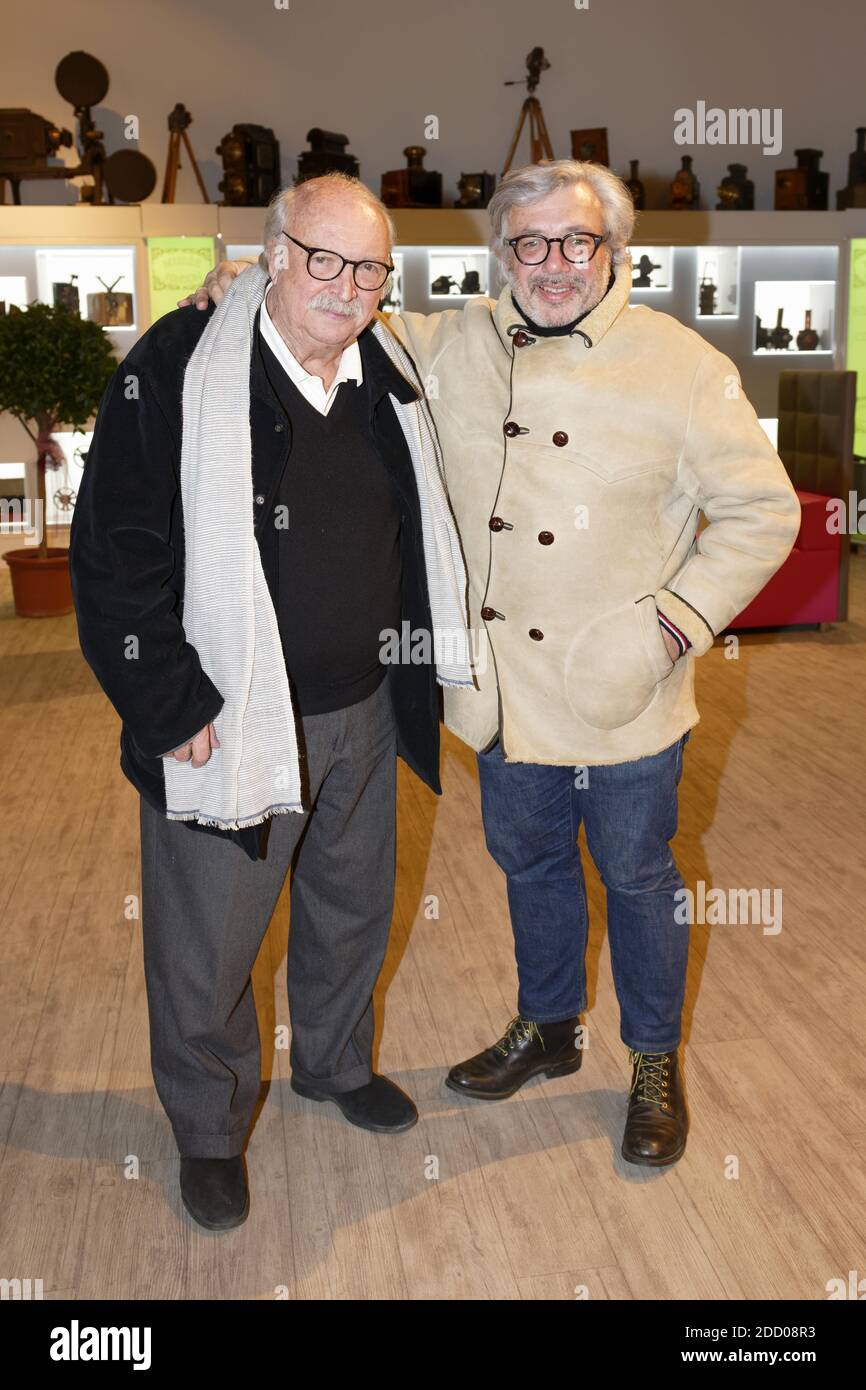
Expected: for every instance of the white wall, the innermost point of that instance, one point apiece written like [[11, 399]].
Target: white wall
[[375, 68]]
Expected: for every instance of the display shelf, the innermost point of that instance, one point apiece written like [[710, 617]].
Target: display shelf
[[745, 266], [241, 226], [78, 223], [652, 270], [811, 247], [100, 281], [718, 282], [457, 272], [184, 219], [783, 311], [712, 228]]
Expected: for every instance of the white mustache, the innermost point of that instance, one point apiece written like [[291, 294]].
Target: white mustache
[[348, 308]]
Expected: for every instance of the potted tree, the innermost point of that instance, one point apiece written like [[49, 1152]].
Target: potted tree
[[54, 367]]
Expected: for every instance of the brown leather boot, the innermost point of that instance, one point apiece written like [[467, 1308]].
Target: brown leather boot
[[657, 1123], [524, 1050]]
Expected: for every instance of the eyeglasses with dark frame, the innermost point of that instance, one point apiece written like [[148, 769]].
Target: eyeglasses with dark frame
[[324, 268], [577, 247]]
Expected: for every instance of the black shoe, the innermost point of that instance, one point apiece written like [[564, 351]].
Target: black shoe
[[214, 1191], [524, 1050], [380, 1105], [657, 1123]]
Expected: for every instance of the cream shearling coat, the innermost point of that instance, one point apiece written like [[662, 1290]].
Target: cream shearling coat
[[622, 446]]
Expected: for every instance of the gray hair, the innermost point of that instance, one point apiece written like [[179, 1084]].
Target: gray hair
[[289, 201], [536, 181]]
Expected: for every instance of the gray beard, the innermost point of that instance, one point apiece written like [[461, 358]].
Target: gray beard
[[588, 295]]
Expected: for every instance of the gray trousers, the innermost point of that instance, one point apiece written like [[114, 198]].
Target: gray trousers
[[206, 907]]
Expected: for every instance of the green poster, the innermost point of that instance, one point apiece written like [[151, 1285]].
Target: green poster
[[856, 355], [177, 266]]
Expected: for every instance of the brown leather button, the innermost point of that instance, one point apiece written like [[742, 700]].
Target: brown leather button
[[546, 537], [496, 523], [560, 439], [520, 338], [511, 428], [488, 614], [536, 634]]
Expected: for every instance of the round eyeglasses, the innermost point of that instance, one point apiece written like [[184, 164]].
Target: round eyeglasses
[[327, 265], [577, 247]]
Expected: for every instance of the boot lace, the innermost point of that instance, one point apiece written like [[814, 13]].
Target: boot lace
[[519, 1030], [650, 1082]]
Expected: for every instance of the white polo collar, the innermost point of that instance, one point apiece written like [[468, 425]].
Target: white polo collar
[[348, 369]]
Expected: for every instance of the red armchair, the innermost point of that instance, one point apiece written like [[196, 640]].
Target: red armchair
[[816, 445]]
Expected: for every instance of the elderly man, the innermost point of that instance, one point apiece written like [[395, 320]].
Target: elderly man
[[263, 499], [582, 440]]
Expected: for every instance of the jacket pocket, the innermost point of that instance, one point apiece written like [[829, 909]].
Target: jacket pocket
[[615, 664]]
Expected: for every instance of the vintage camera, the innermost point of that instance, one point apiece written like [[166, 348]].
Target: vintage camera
[[326, 155], [414, 186], [476, 190], [27, 142], [251, 166], [805, 187]]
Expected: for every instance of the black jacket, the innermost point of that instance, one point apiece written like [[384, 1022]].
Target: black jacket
[[126, 554]]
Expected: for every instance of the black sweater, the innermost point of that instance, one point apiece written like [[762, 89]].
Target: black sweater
[[338, 556]]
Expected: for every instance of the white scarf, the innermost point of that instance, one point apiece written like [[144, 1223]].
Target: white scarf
[[228, 614]]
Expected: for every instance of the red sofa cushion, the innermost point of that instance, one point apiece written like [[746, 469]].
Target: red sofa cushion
[[806, 588], [814, 533]]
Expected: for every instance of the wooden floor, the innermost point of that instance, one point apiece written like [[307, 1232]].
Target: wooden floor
[[522, 1199]]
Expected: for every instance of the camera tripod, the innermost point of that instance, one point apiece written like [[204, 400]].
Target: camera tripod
[[539, 140], [178, 122]]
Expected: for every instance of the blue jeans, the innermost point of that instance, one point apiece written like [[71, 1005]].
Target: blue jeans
[[532, 814]]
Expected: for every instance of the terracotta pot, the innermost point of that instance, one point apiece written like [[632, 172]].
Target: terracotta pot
[[40, 586]]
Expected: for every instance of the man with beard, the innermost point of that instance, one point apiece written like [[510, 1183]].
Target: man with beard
[[582, 440]]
